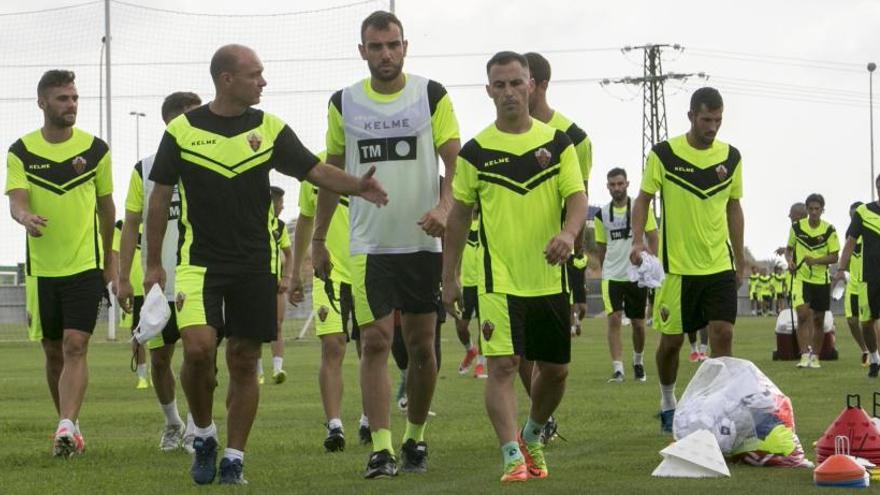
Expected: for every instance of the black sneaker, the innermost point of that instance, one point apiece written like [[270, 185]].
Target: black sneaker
[[550, 431], [364, 434], [617, 377], [381, 464], [231, 472], [639, 372], [335, 441], [414, 457], [204, 466], [873, 368]]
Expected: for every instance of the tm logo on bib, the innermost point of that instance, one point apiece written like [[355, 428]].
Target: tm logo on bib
[[387, 149]]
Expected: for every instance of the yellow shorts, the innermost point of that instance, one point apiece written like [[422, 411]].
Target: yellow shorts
[[327, 319]]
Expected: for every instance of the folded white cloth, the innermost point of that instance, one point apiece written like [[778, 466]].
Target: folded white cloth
[[155, 314], [649, 274]]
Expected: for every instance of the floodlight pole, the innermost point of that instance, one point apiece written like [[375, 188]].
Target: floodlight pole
[[137, 131], [871, 68], [107, 44]]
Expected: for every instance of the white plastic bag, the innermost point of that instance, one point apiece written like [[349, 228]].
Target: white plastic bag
[[746, 412]]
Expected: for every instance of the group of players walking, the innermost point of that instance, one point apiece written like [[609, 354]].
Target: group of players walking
[[513, 201]]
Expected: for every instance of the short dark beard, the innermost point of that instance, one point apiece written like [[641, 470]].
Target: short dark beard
[[58, 121], [374, 72]]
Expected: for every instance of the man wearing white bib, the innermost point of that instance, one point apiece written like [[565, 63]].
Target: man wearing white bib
[[162, 346], [613, 227], [397, 123]]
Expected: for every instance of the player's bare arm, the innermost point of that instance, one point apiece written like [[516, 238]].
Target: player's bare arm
[[639, 217], [157, 221], [434, 221], [735, 226], [106, 224], [19, 208], [127, 245], [560, 247], [457, 227]]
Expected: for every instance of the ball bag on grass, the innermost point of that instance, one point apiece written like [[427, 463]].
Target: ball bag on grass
[[750, 417]]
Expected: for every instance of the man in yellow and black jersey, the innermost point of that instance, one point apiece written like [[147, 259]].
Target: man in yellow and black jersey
[[766, 292], [219, 156], [58, 177], [812, 246], [780, 287], [470, 267], [133, 318], [699, 179], [853, 288], [333, 316], [865, 226], [753, 289], [131, 288], [525, 174], [403, 125], [540, 109], [283, 270]]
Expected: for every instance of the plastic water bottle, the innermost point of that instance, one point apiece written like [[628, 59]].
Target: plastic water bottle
[[837, 291]]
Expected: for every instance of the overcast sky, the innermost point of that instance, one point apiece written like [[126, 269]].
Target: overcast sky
[[792, 74]]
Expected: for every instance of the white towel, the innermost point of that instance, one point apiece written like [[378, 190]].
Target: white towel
[[649, 274]]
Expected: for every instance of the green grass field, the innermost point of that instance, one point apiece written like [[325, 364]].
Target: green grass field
[[612, 435]]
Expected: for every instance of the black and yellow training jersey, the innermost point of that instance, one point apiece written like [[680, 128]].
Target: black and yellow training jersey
[[520, 181], [805, 240], [865, 224], [337, 233], [695, 186], [583, 147], [221, 166], [63, 181]]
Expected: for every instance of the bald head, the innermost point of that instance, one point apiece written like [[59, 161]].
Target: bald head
[[797, 212], [227, 58]]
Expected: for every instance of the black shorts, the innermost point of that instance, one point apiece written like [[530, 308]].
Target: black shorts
[[471, 303], [577, 282], [687, 303], [382, 283], [55, 304], [236, 305], [346, 306], [137, 304], [534, 327], [817, 296], [872, 307], [626, 296]]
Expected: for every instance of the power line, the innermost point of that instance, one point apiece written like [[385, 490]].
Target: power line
[[207, 14], [288, 92], [773, 61], [52, 9], [777, 57], [288, 60], [793, 87]]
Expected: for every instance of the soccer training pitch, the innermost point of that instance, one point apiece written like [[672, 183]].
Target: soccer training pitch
[[612, 435]]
